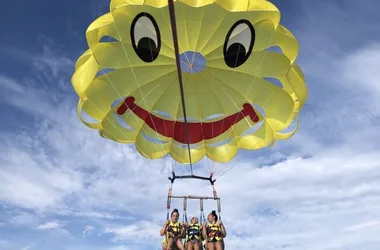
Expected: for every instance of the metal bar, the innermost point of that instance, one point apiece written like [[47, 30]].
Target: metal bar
[[192, 177], [194, 197], [174, 176]]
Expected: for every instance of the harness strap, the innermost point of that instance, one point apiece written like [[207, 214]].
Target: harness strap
[[169, 200], [214, 192], [219, 209], [202, 217], [185, 209]]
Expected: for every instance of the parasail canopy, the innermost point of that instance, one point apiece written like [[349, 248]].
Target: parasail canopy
[[128, 80]]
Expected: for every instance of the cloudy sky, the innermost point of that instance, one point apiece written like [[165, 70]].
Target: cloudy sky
[[63, 187]]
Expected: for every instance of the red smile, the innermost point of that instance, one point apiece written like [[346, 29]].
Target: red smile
[[176, 129]]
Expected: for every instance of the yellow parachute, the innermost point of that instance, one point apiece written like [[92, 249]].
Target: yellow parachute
[[128, 80]]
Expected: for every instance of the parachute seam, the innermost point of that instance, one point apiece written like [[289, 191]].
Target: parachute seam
[[163, 15], [133, 72], [254, 78], [106, 76]]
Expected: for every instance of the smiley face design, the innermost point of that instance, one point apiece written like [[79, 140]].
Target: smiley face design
[[239, 91]]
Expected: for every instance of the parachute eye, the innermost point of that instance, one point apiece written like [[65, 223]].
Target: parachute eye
[[146, 38], [239, 43]]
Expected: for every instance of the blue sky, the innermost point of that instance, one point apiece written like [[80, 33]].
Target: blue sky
[[64, 188]]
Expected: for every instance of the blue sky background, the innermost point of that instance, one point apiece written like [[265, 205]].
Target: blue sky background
[[64, 188]]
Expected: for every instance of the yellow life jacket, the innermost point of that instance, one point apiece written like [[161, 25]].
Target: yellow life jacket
[[193, 232], [213, 232], [173, 230]]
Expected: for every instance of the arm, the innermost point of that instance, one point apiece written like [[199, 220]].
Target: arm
[[184, 230], [223, 230], [163, 229], [204, 232]]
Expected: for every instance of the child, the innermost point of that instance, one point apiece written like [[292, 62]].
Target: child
[[194, 235]]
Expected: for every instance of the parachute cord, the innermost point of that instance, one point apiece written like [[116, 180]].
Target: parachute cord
[[214, 192], [169, 201], [185, 210], [219, 210], [176, 50], [202, 217], [227, 170]]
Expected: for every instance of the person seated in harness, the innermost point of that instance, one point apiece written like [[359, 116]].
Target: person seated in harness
[[174, 232], [214, 232], [194, 235]]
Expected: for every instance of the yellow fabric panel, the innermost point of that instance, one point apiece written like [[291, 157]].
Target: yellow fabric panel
[[103, 26], [231, 5], [86, 69], [110, 71], [296, 80], [282, 136], [287, 42], [179, 152]]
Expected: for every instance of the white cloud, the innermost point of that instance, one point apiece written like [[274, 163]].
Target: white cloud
[[61, 234], [4, 244], [24, 219], [49, 65], [360, 68], [88, 230], [28, 247], [140, 232], [42, 186], [120, 248], [51, 225], [365, 225]]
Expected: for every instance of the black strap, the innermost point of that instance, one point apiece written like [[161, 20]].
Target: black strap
[[174, 177], [178, 62]]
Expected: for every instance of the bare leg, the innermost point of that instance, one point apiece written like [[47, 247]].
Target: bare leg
[[218, 245], [170, 244], [197, 246], [189, 245], [211, 246], [180, 245]]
